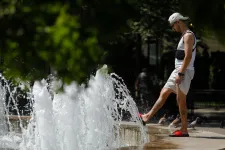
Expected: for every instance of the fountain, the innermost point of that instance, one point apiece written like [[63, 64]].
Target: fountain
[[3, 125], [79, 118]]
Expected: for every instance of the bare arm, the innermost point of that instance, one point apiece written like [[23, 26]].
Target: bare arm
[[188, 46]]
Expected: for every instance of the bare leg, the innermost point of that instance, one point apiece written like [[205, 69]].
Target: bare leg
[[181, 100], [165, 92]]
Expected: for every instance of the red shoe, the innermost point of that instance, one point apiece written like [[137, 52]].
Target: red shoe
[[178, 133], [144, 123]]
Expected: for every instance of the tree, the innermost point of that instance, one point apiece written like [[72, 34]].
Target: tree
[[208, 17], [73, 37], [67, 36], [35, 37], [153, 21]]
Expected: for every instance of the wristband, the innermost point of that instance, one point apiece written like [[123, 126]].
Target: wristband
[[180, 74]]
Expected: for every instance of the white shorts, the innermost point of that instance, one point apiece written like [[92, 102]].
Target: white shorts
[[185, 83]]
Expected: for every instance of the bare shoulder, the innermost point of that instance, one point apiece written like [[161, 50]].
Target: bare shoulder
[[188, 37]]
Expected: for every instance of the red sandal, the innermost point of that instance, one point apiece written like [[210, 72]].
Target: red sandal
[[178, 133]]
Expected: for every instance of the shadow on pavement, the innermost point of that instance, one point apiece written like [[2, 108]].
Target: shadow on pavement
[[208, 137]]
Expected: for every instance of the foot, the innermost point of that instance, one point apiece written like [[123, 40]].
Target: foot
[[179, 133], [144, 123], [144, 117], [184, 131]]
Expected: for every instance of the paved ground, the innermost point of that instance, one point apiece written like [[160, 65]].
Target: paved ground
[[215, 116], [204, 138], [201, 138], [212, 129]]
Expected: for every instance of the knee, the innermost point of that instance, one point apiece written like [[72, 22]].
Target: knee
[[165, 93]]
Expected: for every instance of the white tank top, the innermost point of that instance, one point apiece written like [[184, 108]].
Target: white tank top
[[180, 46]]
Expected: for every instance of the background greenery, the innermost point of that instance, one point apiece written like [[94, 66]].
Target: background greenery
[[75, 37]]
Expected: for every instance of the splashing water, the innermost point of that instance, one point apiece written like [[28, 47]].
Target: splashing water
[[3, 126], [8, 137], [82, 118]]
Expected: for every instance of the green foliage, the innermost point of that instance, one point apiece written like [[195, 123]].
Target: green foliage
[[68, 36], [35, 37], [207, 16], [153, 21], [73, 36]]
